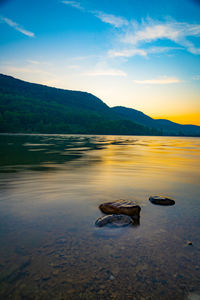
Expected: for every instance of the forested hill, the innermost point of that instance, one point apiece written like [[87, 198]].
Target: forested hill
[[27, 107], [33, 108], [166, 126], [10, 85]]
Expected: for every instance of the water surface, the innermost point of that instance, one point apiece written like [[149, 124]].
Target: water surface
[[50, 190]]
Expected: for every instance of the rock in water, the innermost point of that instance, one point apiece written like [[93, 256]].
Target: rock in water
[[125, 207], [161, 200], [114, 220]]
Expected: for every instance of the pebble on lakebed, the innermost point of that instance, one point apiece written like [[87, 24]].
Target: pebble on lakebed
[[190, 243], [114, 221], [124, 207], [161, 200]]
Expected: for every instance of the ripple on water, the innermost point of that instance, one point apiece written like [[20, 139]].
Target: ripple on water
[[50, 247]]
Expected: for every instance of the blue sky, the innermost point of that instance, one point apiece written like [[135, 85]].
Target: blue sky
[[139, 54]]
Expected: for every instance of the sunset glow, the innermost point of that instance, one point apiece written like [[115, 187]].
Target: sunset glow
[[140, 55]]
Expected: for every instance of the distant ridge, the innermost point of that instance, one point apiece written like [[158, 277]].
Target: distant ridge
[[166, 126], [33, 108]]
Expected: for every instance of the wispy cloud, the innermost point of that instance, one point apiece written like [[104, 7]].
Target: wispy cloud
[[113, 20], [23, 70], [140, 51], [138, 35], [74, 4], [151, 31], [33, 62], [127, 53], [162, 80], [116, 21], [17, 27], [36, 62], [73, 67], [106, 72], [196, 77], [157, 50]]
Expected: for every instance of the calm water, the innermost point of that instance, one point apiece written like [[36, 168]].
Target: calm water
[[50, 190]]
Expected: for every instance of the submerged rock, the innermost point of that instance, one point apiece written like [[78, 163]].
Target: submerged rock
[[114, 220], [125, 207], [161, 200]]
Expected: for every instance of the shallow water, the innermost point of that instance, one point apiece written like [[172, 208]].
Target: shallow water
[[50, 190]]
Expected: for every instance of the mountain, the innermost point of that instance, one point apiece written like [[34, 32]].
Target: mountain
[[29, 107], [165, 126], [133, 114], [34, 108]]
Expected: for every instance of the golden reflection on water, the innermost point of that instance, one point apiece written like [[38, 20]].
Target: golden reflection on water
[[160, 159], [49, 203]]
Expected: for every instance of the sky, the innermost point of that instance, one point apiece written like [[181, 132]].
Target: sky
[[139, 54]]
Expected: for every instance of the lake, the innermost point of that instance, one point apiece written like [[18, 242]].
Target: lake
[[50, 189]]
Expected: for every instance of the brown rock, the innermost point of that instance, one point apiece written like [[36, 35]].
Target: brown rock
[[161, 200], [114, 220], [125, 207]]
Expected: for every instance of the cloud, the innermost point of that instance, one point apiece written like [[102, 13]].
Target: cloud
[[111, 19], [23, 70], [17, 27], [36, 62], [151, 31], [116, 21], [162, 80], [73, 67], [157, 50], [127, 53], [196, 77], [33, 62], [106, 72], [140, 51], [74, 4], [148, 31]]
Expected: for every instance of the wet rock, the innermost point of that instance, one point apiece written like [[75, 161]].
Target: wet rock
[[136, 220], [37, 277], [161, 200], [114, 220], [46, 277], [61, 241], [125, 207]]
